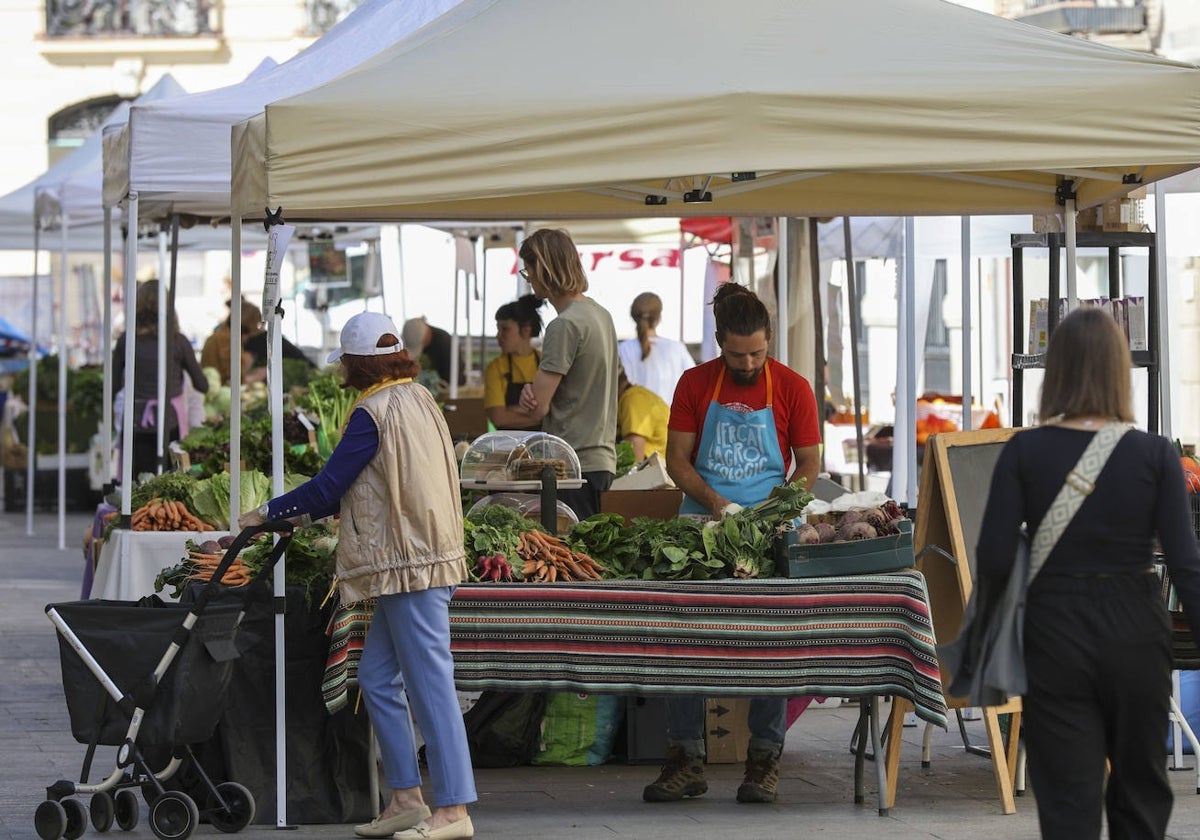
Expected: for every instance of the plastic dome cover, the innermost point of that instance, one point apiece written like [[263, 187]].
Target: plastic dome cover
[[528, 505], [518, 456]]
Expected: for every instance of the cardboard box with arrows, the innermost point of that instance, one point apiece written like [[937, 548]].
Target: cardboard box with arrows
[[726, 732]]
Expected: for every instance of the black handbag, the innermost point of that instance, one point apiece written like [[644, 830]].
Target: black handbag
[[986, 663]]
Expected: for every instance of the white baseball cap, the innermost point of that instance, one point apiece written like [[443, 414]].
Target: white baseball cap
[[360, 336]]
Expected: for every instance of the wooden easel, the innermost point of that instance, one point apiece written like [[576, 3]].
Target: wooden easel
[[954, 487]]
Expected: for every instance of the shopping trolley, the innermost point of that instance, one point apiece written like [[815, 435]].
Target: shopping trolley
[[150, 678]]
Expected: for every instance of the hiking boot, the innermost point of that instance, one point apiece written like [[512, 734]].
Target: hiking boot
[[682, 775], [761, 782]]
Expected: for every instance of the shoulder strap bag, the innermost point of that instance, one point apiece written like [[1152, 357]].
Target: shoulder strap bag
[[986, 663]]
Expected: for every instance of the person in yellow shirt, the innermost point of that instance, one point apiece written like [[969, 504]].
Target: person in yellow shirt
[[517, 324], [642, 418]]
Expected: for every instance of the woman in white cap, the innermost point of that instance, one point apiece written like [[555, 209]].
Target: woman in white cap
[[394, 479]]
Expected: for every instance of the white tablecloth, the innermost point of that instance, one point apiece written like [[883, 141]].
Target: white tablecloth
[[131, 560]]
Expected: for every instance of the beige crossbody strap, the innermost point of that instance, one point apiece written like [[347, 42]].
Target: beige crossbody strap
[[1080, 482]]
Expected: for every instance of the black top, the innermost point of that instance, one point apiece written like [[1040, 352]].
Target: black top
[[1139, 494], [180, 358], [256, 345], [438, 352]]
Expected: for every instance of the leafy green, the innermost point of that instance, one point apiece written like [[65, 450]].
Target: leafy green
[[626, 460], [605, 538], [170, 486], [209, 497], [673, 549], [495, 529], [740, 547]]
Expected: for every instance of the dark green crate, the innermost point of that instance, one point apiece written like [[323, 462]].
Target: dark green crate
[[860, 557]]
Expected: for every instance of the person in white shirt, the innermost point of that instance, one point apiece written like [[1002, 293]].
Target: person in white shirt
[[650, 360]]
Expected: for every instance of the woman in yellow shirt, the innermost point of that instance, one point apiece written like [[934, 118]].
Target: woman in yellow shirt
[[517, 324], [642, 418]]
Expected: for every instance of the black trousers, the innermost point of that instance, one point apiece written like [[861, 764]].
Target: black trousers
[[585, 501], [1098, 655]]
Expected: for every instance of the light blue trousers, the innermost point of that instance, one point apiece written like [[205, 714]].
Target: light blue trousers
[[767, 722], [406, 661]]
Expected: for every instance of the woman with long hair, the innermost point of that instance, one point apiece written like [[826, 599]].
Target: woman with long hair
[[651, 360], [1097, 635], [394, 479], [518, 323], [180, 358]]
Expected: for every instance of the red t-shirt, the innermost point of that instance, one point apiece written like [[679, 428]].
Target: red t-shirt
[[794, 405]]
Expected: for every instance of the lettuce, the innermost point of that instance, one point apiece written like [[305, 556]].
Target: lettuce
[[210, 496]]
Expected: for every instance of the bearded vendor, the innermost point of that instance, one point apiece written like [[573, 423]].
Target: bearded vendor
[[740, 425]]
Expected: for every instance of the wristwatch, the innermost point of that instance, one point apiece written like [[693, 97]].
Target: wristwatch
[[263, 511]]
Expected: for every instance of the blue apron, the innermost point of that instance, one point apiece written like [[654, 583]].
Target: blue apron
[[739, 455]]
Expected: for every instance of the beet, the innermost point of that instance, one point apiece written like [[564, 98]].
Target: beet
[[226, 541], [856, 531], [211, 547], [807, 535], [825, 532]]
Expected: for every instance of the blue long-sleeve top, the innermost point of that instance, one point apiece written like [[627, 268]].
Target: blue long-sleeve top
[[321, 495]]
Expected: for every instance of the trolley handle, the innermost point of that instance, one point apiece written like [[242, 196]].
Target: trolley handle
[[285, 530]]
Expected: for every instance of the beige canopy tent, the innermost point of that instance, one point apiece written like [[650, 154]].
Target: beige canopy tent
[[519, 109], [509, 109]]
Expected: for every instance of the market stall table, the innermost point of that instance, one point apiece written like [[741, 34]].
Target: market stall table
[[131, 560], [857, 636]]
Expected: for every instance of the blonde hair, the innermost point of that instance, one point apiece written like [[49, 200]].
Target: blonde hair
[[1087, 369], [551, 257], [646, 312]]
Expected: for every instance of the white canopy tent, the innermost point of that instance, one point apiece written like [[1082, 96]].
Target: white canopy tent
[[152, 173], [816, 108]]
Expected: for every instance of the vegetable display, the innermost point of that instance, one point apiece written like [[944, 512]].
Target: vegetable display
[[160, 515]]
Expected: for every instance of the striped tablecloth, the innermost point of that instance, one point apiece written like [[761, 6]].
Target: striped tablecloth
[[852, 636]]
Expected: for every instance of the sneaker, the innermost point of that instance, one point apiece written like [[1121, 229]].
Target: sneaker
[[761, 782], [682, 775]]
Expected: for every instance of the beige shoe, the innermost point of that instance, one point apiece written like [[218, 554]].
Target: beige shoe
[[389, 826], [457, 830]]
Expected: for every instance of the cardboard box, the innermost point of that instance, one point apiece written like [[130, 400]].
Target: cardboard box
[[656, 504], [726, 730], [860, 557], [651, 474]]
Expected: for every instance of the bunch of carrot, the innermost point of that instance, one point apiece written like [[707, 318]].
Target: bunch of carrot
[[238, 573], [548, 559], [160, 515]]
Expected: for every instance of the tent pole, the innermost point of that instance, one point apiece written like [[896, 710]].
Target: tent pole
[[235, 370], [62, 385], [910, 362], [277, 240], [106, 351], [161, 413], [173, 322], [459, 278], [783, 264], [481, 267], [1162, 351], [967, 395], [31, 457], [1069, 226], [852, 301], [127, 419], [814, 263]]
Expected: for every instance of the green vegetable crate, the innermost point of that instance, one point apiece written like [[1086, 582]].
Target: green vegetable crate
[[859, 557]]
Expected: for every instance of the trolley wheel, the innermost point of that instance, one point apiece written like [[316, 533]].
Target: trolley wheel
[[238, 811], [50, 820], [174, 816], [125, 809], [102, 811], [77, 819]]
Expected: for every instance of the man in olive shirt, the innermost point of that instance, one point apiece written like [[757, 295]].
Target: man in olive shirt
[[575, 391]]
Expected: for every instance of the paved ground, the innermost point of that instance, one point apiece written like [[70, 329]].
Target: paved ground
[[952, 800]]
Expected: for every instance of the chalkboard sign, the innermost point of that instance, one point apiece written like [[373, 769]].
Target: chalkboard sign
[[955, 479]]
